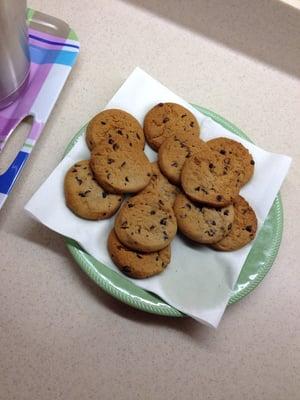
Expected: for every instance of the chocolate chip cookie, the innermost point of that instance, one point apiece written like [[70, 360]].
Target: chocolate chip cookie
[[145, 224], [166, 119], [120, 168], [202, 224], [85, 197], [136, 264], [243, 228], [207, 180], [117, 122], [236, 155]]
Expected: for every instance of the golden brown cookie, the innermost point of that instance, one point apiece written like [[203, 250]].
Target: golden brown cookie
[[136, 264], [115, 122], [160, 186], [120, 168], [231, 151], [145, 224], [175, 150], [243, 228], [209, 180], [166, 119], [200, 223], [85, 197]]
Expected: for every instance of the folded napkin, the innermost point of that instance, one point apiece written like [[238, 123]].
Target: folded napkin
[[199, 280]]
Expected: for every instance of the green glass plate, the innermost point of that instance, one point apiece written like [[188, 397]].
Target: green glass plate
[[257, 265]]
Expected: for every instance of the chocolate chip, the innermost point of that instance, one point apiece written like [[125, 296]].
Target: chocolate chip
[[152, 212], [119, 247], [124, 225], [174, 164], [166, 237], [192, 124], [166, 119], [84, 194], [229, 226], [120, 200], [160, 104], [74, 170], [249, 228], [126, 269], [211, 165], [148, 174], [126, 179], [213, 222], [156, 258], [123, 163], [119, 132], [130, 144], [152, 227], [138, 136], [110, 161], [76, 165], [130, 205], [116, 146], [103, 123], [161, 202], [197, 189], [252, 162], [78, 180], [222, 152], [139, 256], [226, 212], [110, 141], [219, 197], [104, 195], [139, 230], [163, 221], [183, 115], [89, 174]]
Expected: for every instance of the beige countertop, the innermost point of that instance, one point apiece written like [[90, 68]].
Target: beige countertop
[[62, 337]]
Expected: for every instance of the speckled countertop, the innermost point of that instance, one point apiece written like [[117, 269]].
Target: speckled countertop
[[61, 337]]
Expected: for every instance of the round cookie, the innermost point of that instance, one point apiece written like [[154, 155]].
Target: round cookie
[[175, 150], [230, 149], [160, 187], [136, 264], [243, 228], [85, 197], [202, 224], [120, 168], [145, 224], [209, 180], [166, 119], [114, 121]]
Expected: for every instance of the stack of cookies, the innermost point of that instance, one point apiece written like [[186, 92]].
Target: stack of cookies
[[193, 185]]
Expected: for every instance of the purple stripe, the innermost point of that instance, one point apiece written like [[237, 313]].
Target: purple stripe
[[46, 36], [44, 45], [35, 130], [39, 39]]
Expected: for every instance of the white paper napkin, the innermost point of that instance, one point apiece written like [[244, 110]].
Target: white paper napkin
[[198, 280]]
